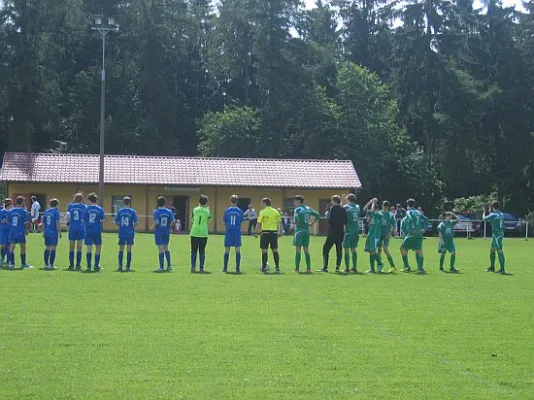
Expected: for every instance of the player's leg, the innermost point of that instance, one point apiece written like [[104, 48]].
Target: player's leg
[[370, 247], [202, 252], [442, 250], [238, 258], [492, 256], [420, 260], [22, 246], [166, 251], [297, 242], [328, 244], [194, 250], [500, 254], [129, 255], [72, 245], [405, 247], [98, 248], [226, 258], [11, 254], [47, 253], [79, 250], [89, 250], [339, 252], [53, 248], [391, 263], [264, 246], [122, 242]]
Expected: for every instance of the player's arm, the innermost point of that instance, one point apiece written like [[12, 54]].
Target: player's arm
[[136, 219], [116, 219], [316, 217], [259, 226], [280, 226], [154, 222]]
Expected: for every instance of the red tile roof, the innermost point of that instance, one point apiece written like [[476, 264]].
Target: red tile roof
[[187, 171]]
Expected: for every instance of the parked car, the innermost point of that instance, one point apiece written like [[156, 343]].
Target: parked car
[[512, 224], [465, 223]]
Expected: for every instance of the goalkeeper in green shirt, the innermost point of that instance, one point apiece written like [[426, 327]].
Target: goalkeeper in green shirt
[[304, 217], [446, 240], [201, 218], [352, 233], [496, 219]]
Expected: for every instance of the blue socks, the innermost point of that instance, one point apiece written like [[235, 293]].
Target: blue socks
[[202, 260], [168, 258], [226, 258], [193, 260], [71, 258], [121, 257], [238, 260], [161, 259], [4, 253], [11, 257], [79, 259], [22, 258], [89, 257], [47, 257], [97, 260], [52, 257], [128, 259]]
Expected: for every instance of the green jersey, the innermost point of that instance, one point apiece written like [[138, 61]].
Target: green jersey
[[496, 219], [303, 216], [387, 224], [404, 226], [417, 222], [201, 219], [375, 220], [353, 218], [446, 228]]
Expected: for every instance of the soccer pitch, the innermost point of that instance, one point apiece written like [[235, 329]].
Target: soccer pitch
[[145, 335]]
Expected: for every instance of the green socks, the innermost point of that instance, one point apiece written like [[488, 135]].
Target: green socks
[[405, 261], [492, 259], [298, 256], [501, 260], [378, 260], [420, 260], [442, 260], [453, 260], [354, 259], [391, 263], [308, 260], [372, 261], [347, 260]]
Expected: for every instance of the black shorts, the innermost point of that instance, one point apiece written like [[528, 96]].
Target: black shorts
[[269, 239], [198, 244]]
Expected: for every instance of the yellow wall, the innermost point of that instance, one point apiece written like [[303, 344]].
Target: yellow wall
[[218, 198]]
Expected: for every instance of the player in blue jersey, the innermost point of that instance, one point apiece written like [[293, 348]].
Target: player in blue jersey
[[126, 218], [163, 222], [93, 218], [4, 232], [18, 219], [75, 216], [233, 218], [51, 233]]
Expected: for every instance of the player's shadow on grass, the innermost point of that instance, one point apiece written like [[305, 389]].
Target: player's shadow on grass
[[201, 273], [13, 269], [125, 272], [47, 269], [91, 272], [272, 273], [234, 273], [303, 273], [348, 273]]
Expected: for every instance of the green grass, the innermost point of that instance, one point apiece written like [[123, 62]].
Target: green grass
[[182, 336]]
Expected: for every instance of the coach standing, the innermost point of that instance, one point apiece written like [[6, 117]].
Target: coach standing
[[337, 220], [252, 217]]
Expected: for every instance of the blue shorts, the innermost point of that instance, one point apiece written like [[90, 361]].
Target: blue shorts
[[4, 238], [93, 238], [126, 241], [162, 238], [51, 241], [232, 239], [76, 235]]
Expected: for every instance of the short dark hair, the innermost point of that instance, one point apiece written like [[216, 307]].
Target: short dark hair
[[352, 198], [234, 199], [299, 198], [127, 200], [336, 199], [266, 201], [92, 197], [385, 203], [496, 205], [34, 198], [78, 197], [20, 201], [7, 202], [162, 201], [54, 202], [203, 199], [399, 206], [410, 203]]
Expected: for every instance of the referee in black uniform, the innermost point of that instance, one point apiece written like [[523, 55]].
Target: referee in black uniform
[[337, 219]]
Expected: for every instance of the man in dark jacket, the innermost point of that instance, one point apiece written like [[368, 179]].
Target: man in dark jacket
[[337, 219]]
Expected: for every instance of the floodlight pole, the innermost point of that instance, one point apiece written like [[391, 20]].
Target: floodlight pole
[[103, 29]]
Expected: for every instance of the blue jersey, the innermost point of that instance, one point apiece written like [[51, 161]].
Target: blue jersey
[[18, 218], [4, 225], [93, 218], [163, 218], [50, 219], [77, 213], [126, 218], [233, 218]]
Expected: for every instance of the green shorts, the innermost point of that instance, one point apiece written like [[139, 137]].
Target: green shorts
[[351, 240], [301, 239], [447, 246], [412, 243], [496, 242], [370, 243], [383, 241]]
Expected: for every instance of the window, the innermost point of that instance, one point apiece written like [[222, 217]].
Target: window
[[289, 207], [117, 204], [323, 206], [244, 202]]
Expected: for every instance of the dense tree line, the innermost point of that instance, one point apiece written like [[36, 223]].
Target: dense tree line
[[433, 98]]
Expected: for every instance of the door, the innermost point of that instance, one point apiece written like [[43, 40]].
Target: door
[[181, 212]]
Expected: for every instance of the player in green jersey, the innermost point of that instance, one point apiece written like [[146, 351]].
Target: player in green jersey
[[446, 240], [373, 235], [387, 228], [352, 233], [496, 219], [201, 218], [304, 217], [416, 223]]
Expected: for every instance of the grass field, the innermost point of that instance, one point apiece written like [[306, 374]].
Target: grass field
[[144, 335]]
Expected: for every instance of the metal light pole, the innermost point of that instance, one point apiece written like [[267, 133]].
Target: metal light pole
[[103, 29]]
